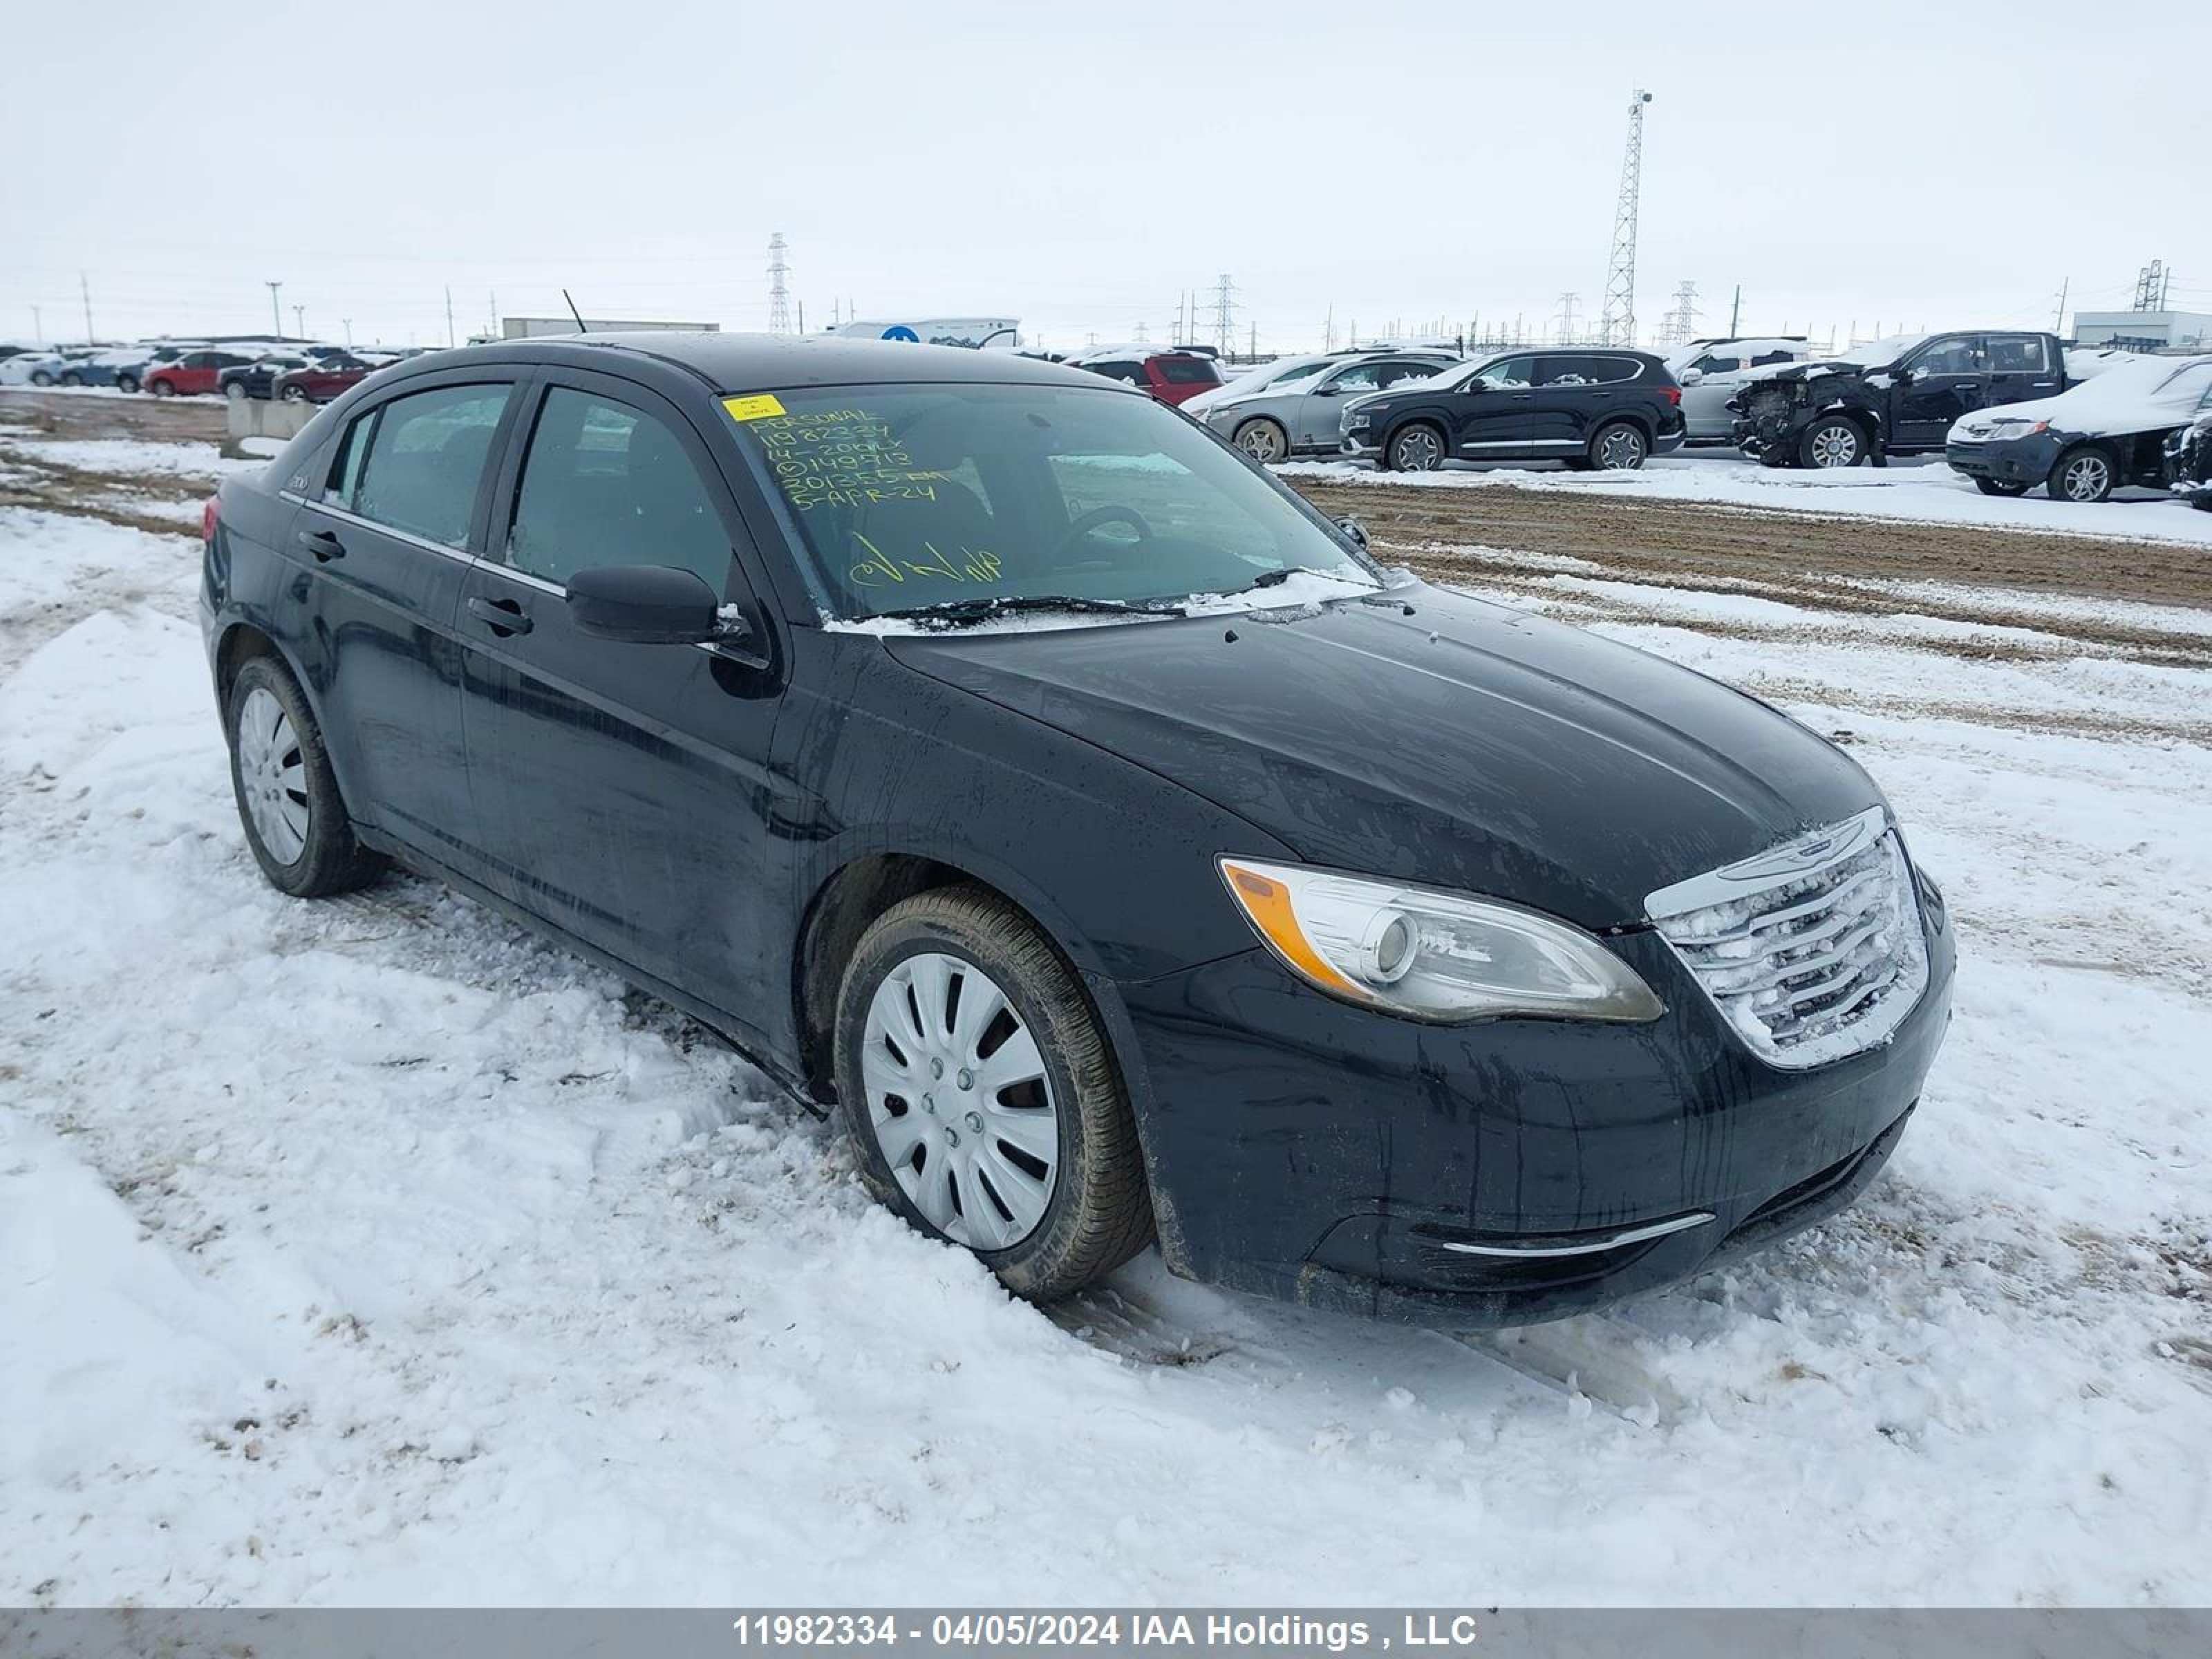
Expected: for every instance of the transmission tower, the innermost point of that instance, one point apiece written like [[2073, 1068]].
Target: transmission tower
[[779, 286], [1225, 314], [1568, 302], [1681, 326], [2150, 287], [1617, 322]]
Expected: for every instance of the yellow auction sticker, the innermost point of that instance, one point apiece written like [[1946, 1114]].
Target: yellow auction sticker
[[758, 407]]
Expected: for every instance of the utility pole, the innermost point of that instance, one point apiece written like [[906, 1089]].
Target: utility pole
[[347, 321], [1329, 329], [449, 314], [2058, 322], [300, 320], [1252, 354], [1225, 314], [38, 326], [779, 285], [275, 316], [1736, 310], [801, 304], [1617, 319], [84, 283]]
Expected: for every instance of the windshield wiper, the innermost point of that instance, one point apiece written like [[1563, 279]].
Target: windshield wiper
[[954, 612]]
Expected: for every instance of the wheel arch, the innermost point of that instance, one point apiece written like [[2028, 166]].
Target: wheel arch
[[1428, 417]]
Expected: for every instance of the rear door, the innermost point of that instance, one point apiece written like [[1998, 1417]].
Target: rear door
[[1949, 377], [2021, 368], [625, 787], [386, 533], [1572, 397]]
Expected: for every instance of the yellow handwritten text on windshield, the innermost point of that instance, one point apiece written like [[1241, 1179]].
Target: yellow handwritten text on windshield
[[841, 458], [880, 570]]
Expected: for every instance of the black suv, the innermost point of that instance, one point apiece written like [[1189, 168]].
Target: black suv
[[1588, 406]]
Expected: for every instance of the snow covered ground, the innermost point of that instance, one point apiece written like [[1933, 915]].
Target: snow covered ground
[[1922, 487], [376, 1252]]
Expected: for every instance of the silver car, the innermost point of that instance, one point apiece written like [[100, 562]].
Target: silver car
[[1304, 415], [1713, 371]]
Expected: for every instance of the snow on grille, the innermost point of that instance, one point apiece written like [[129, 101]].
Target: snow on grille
[[1812, 964]]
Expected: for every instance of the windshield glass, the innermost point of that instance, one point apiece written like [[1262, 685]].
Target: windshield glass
[[902, 497]]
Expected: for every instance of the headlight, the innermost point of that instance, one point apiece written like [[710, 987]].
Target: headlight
[[1356, 420], [1436, 955]]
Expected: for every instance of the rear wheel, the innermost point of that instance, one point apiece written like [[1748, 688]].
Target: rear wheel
[[1263, 439], [126, 382], [981, 1097], [70, 377], [163, 388], [39, 377], [1416, 448], [235, 391], [1998, 487], [287, 798], [2083, 473], [295, 394], [1832, 442], [1618, 446]]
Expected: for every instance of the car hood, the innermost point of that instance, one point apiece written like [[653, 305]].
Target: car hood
[[1429, 737]]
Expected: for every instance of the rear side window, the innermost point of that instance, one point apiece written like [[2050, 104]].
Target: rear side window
[[2019, 354], [1765, 358], [420, 461], [1391, 374], [1586, 370], [607, 484], [1133, 373], [1187, 371]]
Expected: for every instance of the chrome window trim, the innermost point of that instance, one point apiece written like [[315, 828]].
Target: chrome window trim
[[407, 536]]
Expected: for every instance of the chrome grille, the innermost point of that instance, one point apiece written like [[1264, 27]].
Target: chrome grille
[[1811, 952]]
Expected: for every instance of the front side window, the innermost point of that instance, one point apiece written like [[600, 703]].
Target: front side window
[[903, 497], [424, 459], [1954, 354], [604, 484], [1516, 373]]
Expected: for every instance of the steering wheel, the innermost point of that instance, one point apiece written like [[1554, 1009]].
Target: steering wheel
[[1103, 515]]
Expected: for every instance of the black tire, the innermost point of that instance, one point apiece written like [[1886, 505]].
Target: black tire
[[1832, 442], [1262, 432], [70, 377], [126, 382], [1100, 1212], [2202, 503], [332, 859], [1619, 439], [1416, 446], [295, 394], [39, 377], [1998, 487], [163, 388], [235, 390], [2084, 473]]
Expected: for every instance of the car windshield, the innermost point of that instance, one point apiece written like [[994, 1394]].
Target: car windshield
[[905, 497]]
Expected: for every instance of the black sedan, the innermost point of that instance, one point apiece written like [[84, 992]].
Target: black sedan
[[2106, 433], [258, 377], [1587, 407], [1011, 766]]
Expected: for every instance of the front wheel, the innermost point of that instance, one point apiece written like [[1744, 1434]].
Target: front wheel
[[126, 382], [235, 392], [72, 378], [1618, 446], [1832, 443], [295, 394], [287, 798], [39, 377], [1263, 439], [1418, 448], [2083, 473], [1998, 487], [164, 389], [981, 1097]]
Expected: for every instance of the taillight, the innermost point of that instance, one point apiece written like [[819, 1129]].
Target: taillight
[[1673, 394], [211, 512]]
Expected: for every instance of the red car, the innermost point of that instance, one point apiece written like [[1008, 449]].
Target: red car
[[320, 382], [195, 372], [1173, 377]]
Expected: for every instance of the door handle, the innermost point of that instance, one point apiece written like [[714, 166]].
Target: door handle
[[503, 617], [323, 544]]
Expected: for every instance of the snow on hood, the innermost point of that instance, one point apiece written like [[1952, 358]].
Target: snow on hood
[[2138, 396]]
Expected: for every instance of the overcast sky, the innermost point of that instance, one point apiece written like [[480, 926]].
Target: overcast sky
[[1081, 167]]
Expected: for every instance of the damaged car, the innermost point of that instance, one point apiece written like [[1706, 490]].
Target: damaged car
[[2189, 462], [1019, 774], [2103, 435], [1899, 396]]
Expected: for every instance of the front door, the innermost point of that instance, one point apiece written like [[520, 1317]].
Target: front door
[[1318, 423], [387, 531], [624, 787], [1491, 411], [1948, 378]]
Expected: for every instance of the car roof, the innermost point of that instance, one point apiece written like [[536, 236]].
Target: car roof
[[747, 362]]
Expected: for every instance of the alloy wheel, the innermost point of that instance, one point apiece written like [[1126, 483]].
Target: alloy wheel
[[1418, 451], [1262, 441], [959, 1101], [1835, 445], [2086, 478], [272, 775], [1621, 448]]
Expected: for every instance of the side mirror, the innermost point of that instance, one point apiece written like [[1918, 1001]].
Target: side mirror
[[1691, 376], [1353, 530], [643, 605], [1902, 376]]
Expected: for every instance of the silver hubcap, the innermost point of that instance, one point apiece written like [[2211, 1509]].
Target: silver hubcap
[[959, 1101], [1262, 443], [2085, 478], [273, 775], [1835, 445], [1619, 448], [1418, 451]]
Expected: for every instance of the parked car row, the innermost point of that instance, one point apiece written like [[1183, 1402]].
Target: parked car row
[[183, 369], [2130, 425]]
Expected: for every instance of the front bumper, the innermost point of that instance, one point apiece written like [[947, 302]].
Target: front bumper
[[1358, 445], [2022, 461], [1494, 1173]]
